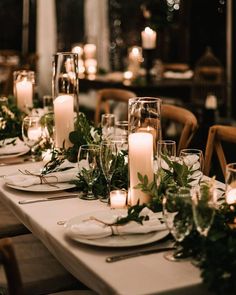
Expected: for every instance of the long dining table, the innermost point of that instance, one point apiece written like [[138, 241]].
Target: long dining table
[[149, 274]]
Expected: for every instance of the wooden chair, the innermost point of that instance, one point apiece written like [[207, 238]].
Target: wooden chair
[[216, 135], [106, 95], [184, 117], [9, 224], [29, 268]]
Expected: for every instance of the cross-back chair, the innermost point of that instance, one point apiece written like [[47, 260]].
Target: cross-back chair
[[106, 96], [183, 117], [216, 135]]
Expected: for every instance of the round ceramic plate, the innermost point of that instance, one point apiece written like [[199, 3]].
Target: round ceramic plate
[[115, 241], [9, 156], [60, 186]]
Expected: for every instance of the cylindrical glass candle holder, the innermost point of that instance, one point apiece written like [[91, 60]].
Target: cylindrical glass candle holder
[[24, 89], [65, 89], [144, 132]]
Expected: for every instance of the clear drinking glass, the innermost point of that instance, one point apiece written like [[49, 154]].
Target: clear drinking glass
[[32, 133], [88, 163], [177, 213], [108, 125], [122, 128], [203, 204], [166, 149], [230, 181], [194, 159], [108, 157]]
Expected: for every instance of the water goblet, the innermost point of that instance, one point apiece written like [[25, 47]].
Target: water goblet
[[32, 133], [203, 205], [108, 125], [88, 163], [177, 214], [122, 128], [230, 182], [108, 157], [193, 158], [166, 151]]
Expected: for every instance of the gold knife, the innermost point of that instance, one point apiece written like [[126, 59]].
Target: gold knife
[[138, 253], [52, 198]]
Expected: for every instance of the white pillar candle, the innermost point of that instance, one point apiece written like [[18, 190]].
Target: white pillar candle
[[148, 38], [24, 95], [118, 199], [64, 119], [231, 196], [140, 160], [89, 51], [34, 133]]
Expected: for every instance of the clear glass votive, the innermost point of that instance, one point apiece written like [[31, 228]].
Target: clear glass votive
[[118, 199]]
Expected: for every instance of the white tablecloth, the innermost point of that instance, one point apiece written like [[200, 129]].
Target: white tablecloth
[[150, 274]]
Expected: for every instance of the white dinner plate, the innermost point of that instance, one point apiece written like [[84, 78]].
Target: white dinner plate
[[12, 149], [9, 156], [114, 241], [60, 186]]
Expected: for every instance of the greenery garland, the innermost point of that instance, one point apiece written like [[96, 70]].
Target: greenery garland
[[215, 254]]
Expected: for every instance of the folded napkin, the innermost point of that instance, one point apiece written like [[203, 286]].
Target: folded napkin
[[12, 146], [96, 228], [28, 178]]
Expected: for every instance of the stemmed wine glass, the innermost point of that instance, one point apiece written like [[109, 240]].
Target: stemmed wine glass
[[108, 126], [177, 214], [108, 157], [194, 159], [32, 133], [88, 162], [165, 149], [203, 204]]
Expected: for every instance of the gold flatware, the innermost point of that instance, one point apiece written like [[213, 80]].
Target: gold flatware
[[138, 253], [51, 198]]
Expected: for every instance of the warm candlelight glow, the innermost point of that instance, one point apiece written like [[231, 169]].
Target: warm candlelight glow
[[64, 119], [91, 66], [78, 49], [148, 38], [34, 133], [140, 161], [231, 196], [89, 51], [118, 199], [24, 94]]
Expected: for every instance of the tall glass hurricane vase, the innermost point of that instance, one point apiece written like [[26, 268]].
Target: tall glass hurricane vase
[[65, 89], [144, 132]]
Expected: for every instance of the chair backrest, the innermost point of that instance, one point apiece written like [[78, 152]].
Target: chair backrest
[[106, 95], [184, 117], [217, 134], [8, 259]]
